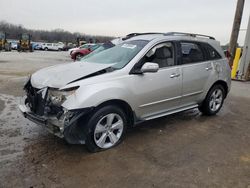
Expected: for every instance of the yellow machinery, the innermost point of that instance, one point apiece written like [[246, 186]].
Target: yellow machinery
[[24, 43], [4, 45], [236, 63]]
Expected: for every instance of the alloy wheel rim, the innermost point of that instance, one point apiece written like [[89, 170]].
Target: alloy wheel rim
[[216, 100], [108, 130]]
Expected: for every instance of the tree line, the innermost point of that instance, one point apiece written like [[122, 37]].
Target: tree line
[[13, 31]]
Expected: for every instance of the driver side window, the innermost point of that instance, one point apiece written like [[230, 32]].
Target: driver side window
[[162, 54]]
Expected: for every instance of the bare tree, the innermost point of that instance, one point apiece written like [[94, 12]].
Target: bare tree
[[57, 35]]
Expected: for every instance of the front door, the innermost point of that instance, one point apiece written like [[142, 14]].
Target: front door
[[160, 92]]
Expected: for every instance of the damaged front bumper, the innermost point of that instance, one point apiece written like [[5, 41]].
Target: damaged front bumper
[[52, 124], [59, 126]]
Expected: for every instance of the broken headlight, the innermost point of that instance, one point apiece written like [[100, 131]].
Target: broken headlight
[[57, 97]]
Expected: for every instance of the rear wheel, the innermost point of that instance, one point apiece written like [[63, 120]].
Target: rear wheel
[[106, 128], [213, 101]]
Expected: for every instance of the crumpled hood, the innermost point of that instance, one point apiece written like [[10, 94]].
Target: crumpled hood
[[60, 75]]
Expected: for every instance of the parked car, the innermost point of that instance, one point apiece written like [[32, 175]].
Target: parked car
[[68, 46], [79, 53], [84, 46], [61, 46], [38, 46], [145, 77], [52, 46], [14, 45]]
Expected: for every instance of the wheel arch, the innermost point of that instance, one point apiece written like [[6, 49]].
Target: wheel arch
[[78, 53], [75, 133], [223, 84], [218, 82], [124, 106]]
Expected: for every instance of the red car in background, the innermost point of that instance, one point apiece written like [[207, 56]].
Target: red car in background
[[81, 52]]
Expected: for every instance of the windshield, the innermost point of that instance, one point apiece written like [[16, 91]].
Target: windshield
[[99, 49], [25, 37], [119, 55], [84, 46], [93, 47], [2, 35]]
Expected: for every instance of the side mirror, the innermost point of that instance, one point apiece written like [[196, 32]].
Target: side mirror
[[149, 67]]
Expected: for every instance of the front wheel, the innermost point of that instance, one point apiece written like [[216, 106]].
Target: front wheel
[[79, 57], [106, 128], [213, 101]]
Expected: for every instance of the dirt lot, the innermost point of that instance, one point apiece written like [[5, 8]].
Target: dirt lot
[[182, 150]]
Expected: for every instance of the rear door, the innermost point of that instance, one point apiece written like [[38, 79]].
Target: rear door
[[196, 71]]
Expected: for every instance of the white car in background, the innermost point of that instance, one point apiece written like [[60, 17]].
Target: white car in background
[[52, 46]]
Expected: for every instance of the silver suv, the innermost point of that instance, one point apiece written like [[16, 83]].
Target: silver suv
[[144, 77]]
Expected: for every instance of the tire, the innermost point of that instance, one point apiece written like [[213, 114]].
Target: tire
[[213, 101], [99, 132], [46, 49], [78, 57]]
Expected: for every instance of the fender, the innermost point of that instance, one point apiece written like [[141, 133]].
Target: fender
[[96, 94]]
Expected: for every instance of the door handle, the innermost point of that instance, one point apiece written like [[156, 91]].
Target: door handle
[[174, 75], [209, 68]]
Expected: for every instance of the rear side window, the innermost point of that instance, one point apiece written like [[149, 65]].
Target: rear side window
[[191, 53], [212, 53]]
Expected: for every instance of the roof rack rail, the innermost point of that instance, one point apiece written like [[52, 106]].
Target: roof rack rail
[[188, 34], [130, 35]]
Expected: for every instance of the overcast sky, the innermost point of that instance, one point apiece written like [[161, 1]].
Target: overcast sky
[[120, 17]]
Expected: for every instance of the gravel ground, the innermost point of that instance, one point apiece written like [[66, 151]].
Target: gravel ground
[[181, 150]]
